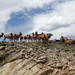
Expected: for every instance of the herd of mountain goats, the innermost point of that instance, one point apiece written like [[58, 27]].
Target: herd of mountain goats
[[34, 37]]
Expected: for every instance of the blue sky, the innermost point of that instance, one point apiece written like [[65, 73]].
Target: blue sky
[[27, 16]]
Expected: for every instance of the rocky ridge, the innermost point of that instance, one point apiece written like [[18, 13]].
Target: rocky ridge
[[30, 59]]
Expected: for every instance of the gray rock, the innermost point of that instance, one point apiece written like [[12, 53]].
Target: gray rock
[[2, 48], [1, 55], [42, 59], [59, 65], [30, 59]]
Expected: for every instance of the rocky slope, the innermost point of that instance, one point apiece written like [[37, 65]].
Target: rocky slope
[[36, 59]]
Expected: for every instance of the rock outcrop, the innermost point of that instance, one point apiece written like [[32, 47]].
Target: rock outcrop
[[27, 59]]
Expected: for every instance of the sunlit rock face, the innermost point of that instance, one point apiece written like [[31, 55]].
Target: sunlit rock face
[[19, 67], [36, 59]]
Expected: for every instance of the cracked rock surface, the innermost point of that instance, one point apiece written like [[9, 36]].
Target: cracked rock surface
[[32, 59]]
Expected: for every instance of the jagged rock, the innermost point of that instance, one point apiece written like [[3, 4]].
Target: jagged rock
[[67, 50], [26, 56], [42, 59], [23, 50], [1, 55], [55, 72], [47, 72], [21, 59], [29, 50], [73, 54], [2, 48], [59, 65]]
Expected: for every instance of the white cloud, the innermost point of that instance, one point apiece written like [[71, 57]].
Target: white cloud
[[9, 6], [22, 3], [4, 16], [60, 22], [46, 21]]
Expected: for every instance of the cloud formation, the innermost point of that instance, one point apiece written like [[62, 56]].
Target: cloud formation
[[60, 21], [9, 6], [52, 16]]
